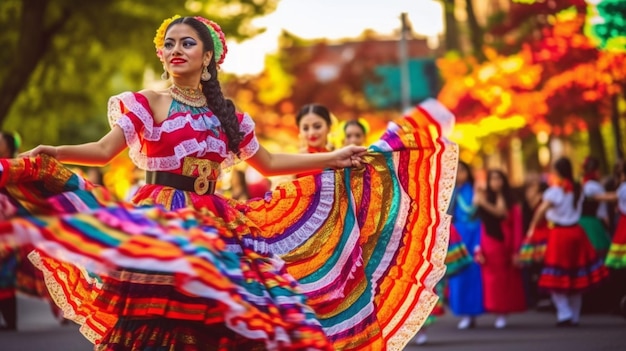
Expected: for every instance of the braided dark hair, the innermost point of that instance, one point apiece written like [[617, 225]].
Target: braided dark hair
[[224, 109], [563, 168]]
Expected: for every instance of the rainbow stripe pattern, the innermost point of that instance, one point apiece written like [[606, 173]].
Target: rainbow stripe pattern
[[344, 260]]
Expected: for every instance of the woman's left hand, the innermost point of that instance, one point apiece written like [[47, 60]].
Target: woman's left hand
[[348, 156]]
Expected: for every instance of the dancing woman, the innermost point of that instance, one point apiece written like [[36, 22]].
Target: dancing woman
[[571, 264], [312, 265]]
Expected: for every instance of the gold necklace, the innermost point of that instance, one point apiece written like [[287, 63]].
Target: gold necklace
[[188, 96]]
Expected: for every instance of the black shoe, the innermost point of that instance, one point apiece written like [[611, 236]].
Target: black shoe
[[565, 323]]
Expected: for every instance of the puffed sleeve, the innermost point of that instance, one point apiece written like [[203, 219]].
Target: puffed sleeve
[[621, 198], [131, 112], [249, 144], [554, 195], [593, 188]]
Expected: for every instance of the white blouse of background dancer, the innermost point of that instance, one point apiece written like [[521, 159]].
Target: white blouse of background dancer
[[562, 212], [621, 198], [592, 189]]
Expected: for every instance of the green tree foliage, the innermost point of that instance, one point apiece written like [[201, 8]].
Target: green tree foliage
[[609, 25], [62, 59]]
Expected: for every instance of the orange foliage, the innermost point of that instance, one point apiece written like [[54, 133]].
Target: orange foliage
[[561, 79], [502, 87]]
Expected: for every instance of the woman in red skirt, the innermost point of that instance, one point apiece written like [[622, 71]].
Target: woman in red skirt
[[500, 242], [571, 264]]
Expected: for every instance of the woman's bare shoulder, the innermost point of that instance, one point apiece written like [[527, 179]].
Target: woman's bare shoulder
[[159, 101], [154, 97]]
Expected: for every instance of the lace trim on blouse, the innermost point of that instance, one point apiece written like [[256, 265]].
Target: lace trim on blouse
[[188, 147]]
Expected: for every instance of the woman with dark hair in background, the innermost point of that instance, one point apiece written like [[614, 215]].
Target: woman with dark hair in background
[[571, 264], [354, 133], [314, 123], [594, 218], [595, 221], [500, 242], [534, 246], [466, 291]]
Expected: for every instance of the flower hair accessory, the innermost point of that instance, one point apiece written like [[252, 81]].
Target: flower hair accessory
[[219, 40], [159, 38]]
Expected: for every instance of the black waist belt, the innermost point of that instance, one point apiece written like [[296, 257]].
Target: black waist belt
[[180, 182], [555, 225]]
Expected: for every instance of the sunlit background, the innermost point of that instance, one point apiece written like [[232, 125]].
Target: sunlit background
[[332, 20], [527, 80]]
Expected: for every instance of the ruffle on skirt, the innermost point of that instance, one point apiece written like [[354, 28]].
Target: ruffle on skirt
[[571, 264], [533, 249], [150, 263], [344, 260], [458, 257], [616, 256]]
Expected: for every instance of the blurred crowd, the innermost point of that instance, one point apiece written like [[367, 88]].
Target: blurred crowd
[[556, 244]]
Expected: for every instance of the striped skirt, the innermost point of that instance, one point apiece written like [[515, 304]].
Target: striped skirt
[[343, 260]]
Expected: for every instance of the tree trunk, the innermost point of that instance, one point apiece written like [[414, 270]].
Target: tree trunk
[[34, 39], [530, 154], [596, 147], [452, 42], [475, 32]]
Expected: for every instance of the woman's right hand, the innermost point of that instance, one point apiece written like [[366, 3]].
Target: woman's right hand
[[479, 196], [41, 149], [479, 257]]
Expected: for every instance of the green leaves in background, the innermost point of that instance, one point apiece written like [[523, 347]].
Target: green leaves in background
[[63, 58]]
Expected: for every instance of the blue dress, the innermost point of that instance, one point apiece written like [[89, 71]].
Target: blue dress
[[466, 291]]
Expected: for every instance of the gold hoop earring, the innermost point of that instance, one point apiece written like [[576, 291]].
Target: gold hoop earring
[[205, 74], [165, 75]]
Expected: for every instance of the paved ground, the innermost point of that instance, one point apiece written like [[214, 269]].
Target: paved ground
[[531, 331]]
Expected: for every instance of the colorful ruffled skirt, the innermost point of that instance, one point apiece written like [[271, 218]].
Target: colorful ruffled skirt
[[616, 257], [458, 256], [571, 264], [344, 260], [533, 249], [457, 259]]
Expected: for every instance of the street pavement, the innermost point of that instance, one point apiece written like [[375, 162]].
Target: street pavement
[[530, 331]]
